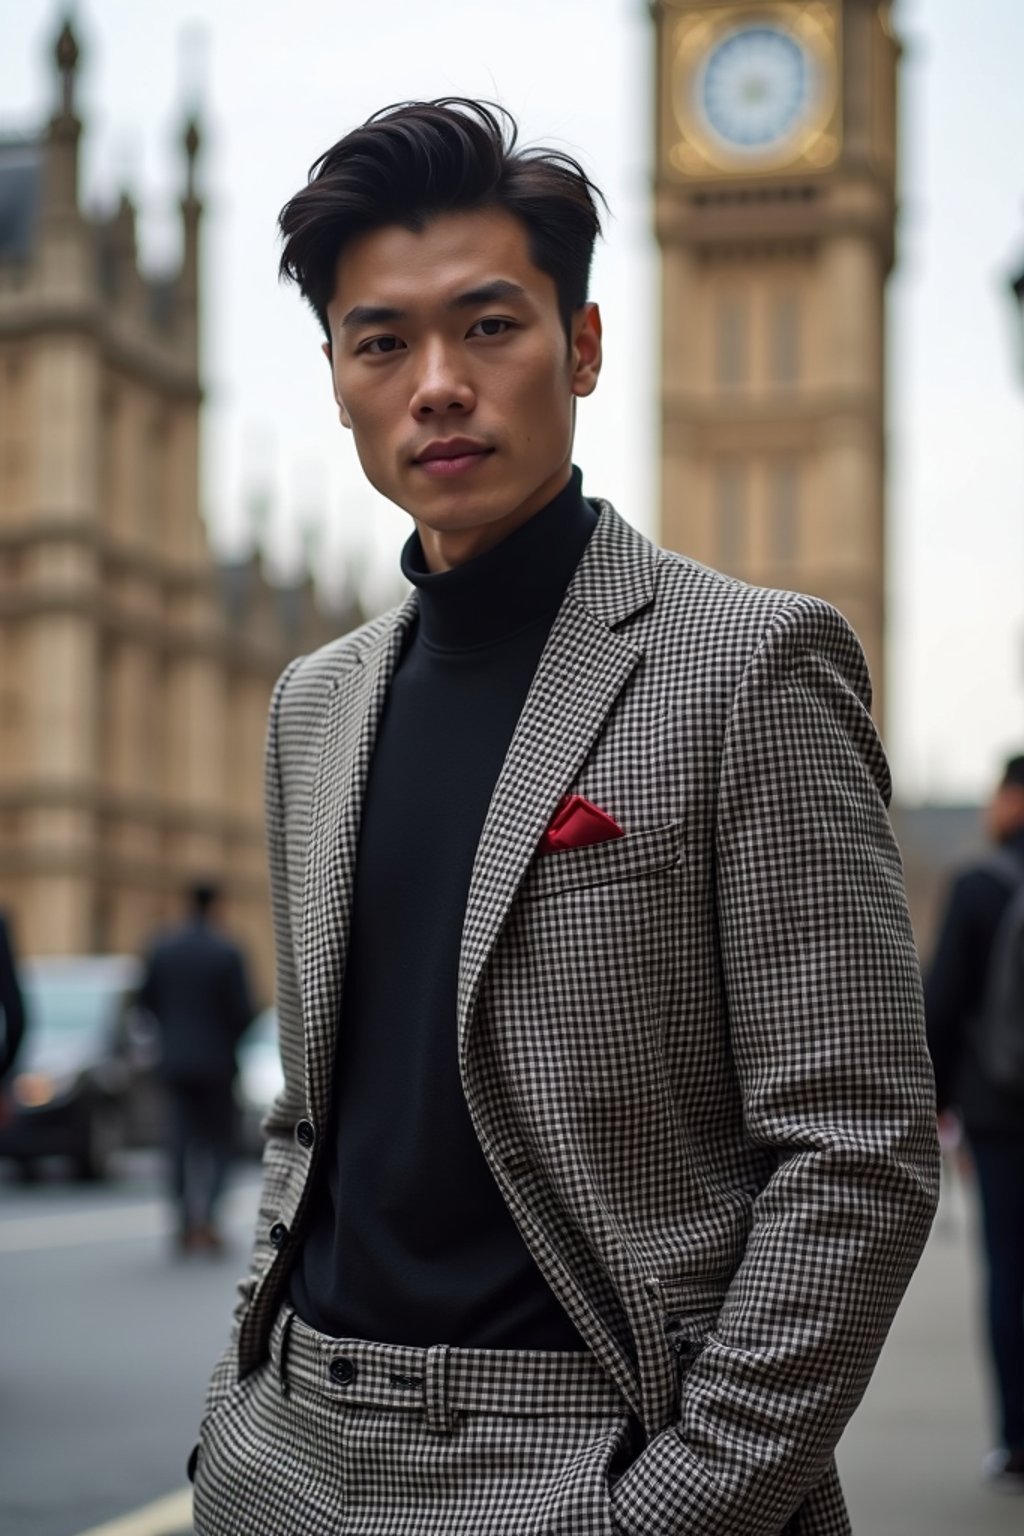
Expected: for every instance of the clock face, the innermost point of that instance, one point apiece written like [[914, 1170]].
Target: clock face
[[755, 88]]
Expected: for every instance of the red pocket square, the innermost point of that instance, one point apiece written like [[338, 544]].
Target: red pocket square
[[577, 824]]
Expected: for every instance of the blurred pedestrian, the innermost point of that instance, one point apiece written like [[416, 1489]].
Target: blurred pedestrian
[[196, 986], [12, 1008], [982, 901]]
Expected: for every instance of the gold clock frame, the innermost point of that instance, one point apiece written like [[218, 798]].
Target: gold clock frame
[[814, 144]]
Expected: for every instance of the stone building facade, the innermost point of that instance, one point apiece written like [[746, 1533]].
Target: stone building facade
[[135, 672]]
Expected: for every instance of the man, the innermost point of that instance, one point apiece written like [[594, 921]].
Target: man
[[992, 1115], [196, 986], [606, 1146]]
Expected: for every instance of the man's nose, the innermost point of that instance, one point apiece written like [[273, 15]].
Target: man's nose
[[442, 384]]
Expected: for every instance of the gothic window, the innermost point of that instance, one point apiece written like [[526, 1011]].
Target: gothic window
[[732, 341], [156, 476], [731, 513], [13, 438], [784, 511], [785, 339], [108, 455]]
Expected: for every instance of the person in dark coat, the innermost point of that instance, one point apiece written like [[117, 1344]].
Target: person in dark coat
[[12, 1007], [196, 986], [992, 1116]]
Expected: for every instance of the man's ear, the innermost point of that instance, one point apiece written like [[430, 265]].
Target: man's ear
[[342, 413], [585, 350]]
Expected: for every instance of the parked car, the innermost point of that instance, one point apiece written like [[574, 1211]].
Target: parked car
[[260, 1078], [84, 1082]]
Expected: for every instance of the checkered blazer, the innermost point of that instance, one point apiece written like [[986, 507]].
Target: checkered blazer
[[694, 1056]]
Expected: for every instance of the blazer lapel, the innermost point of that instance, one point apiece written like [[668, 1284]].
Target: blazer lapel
[[584, 666], [353, 712]]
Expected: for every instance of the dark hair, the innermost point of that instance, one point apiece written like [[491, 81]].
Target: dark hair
[[1013, 773], [410, 162], [202, 895]]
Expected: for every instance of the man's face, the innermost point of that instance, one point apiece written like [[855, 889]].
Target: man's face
[[452, 368], [1004, 815]]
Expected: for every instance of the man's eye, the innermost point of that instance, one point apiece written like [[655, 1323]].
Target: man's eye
[[492, 325], [380, 346]]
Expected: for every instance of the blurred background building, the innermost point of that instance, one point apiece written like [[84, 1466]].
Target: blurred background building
[[135, 670], [136, 666], [775, 209]]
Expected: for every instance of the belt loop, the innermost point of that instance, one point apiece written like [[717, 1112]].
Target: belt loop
[[440, 1417], [282, 1369]]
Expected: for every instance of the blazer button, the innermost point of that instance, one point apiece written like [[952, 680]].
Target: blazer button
[[305, 1135], [342, 1371], [278, 1234]]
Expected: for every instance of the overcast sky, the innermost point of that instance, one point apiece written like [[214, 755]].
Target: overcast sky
[[279, 83]]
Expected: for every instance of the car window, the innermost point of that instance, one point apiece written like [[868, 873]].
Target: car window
[[59, 1009], [263, 1029]]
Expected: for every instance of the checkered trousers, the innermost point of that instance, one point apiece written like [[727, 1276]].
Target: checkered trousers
[[344, 1436]]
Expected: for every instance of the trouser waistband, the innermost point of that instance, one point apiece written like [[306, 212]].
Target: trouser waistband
[[440, 1381]]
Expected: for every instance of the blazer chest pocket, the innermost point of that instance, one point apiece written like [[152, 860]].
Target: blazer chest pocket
[[617, 859]]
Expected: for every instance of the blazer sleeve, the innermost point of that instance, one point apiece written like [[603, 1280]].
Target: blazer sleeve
[[823, 995], [279, 1147]]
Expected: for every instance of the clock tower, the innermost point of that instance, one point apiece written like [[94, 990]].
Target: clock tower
[[775, 212]]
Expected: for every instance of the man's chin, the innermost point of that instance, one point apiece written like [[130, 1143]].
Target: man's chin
[[458, 511]]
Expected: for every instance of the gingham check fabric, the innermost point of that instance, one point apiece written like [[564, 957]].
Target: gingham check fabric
[[694, 1055], [330, 1436]]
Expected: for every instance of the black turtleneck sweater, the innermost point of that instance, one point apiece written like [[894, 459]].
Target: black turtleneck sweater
[[409, 1240]]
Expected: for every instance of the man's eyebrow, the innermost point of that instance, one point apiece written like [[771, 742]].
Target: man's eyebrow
[[385, 314], [488, 293], [371, 314]]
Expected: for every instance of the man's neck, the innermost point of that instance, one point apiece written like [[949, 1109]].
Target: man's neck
[[444, 549]]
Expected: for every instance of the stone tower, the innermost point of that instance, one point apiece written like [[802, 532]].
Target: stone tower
[[134, 671], [775, 212]]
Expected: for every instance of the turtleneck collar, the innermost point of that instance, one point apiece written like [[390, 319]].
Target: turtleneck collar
[[509, 588]]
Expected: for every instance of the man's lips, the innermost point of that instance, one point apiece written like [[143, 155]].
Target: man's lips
[[453, 457]]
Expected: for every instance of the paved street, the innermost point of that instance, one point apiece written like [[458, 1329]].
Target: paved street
[[106, 1345], [911, 1454], [107, 1342]]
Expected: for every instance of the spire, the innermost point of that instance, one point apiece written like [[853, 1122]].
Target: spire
[[191, 68], [191, 210], [191, 143], [119, 257], [65, 128], [67, 53]]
